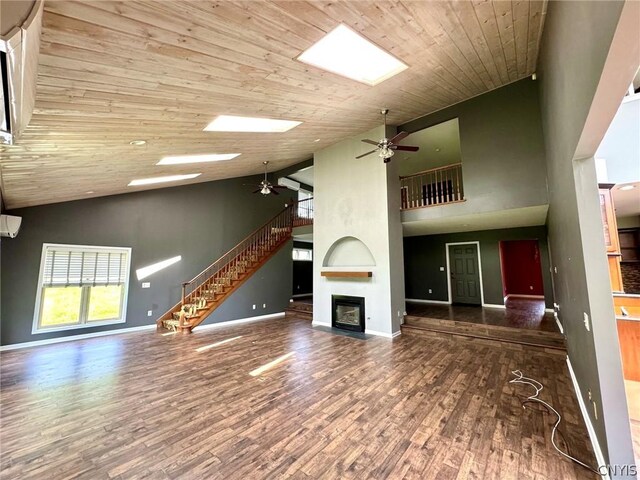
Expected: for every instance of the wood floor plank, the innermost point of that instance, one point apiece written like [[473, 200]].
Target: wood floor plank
[[145, 406]]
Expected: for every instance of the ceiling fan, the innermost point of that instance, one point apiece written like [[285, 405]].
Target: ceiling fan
[[387, 147], [265, 187]]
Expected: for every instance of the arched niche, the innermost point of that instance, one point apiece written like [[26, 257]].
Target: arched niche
[[349, 252]]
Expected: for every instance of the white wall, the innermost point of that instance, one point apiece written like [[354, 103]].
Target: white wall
[[620, 147], [359, 198]]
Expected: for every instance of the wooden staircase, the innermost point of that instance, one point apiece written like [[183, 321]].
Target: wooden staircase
[[210, 288]]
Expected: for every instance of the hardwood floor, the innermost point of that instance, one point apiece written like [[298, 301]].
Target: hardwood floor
[[144, 405], [520, 313]]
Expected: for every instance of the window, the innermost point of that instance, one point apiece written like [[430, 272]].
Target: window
[[81, 287], [303, 254]]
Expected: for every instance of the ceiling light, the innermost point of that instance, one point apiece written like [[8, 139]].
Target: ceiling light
[[169, 178], [89, 192], [213, 157], [344, 52], [627, 187], [317, 140], [230, 123], [138, 143]]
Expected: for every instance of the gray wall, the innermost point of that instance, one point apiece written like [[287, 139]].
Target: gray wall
[[503, 159], [424, 255], [574, 47], [199, 222]]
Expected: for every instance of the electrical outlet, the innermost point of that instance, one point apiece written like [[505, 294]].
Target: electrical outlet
[[555, 269], [264, 305], [442, 269], [589, 393], [146, 284], [586, 321], [254, 307], [149, 313], [530, 287], [430, 291]]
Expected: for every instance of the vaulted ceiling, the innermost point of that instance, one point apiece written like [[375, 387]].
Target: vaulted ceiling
[[113, 72]]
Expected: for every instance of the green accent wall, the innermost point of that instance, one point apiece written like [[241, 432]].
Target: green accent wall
[[424, 255]]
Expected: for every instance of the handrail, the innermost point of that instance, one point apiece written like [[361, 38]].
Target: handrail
[[445, 167], [264, 238], [436, 186], [239, 243]]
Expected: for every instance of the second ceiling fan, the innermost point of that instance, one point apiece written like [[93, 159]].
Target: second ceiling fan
[[386, 148]]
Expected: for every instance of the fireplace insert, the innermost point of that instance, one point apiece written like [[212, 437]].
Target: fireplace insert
[[347, 313]]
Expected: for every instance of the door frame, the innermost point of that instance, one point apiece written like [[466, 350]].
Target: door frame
[[477, 244]]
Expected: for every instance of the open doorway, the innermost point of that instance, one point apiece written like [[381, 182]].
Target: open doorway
[[618, 174], [522, 283]]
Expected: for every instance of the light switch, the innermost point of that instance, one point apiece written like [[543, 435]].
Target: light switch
[[146, 284], [149, 313], [442, 269]]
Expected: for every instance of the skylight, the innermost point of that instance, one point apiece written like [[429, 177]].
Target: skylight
[[230, 123], [169, 178], [213, 157], [344, 52]]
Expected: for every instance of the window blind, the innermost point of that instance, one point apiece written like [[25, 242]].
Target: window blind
[[84, 267]]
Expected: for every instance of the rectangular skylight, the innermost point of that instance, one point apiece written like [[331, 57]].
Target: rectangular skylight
[[213, 157], [169, 178], [230, 123], [344, 52]]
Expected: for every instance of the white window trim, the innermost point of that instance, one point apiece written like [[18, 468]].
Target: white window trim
[[35, 329]]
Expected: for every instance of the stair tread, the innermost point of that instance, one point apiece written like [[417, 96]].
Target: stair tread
[[519, 336]]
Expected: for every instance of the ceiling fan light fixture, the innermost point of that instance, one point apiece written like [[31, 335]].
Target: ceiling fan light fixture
[[386, 152], [265, 190]]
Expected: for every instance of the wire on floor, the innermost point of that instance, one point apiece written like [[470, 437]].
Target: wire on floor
[[520, 378]]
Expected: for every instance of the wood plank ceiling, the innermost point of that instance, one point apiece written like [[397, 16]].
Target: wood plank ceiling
[[113, 72]]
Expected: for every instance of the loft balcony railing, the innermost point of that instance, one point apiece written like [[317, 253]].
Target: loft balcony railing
[[303, 213], [437, 186]]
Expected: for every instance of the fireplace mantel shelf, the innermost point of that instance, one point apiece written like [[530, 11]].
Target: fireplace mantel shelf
[[342, 274]]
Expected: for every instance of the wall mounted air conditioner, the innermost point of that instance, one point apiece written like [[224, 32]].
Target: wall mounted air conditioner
[[287, 182], [9, 225], [20, 27]]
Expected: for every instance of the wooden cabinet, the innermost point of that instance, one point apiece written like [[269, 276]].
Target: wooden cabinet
[[610, 230]]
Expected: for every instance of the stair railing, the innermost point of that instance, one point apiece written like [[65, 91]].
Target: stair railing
[[303, 212], [227, 267], [436, 186]]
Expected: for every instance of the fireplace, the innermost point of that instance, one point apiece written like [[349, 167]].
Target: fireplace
[[347, 313]]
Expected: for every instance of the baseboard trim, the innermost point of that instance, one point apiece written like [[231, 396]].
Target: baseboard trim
[[322, 324], [382, 334], [69, 338], [560, 326], [549, 310], [229, 323], [418, 300], [493, 305], [587, 420], [120, 331], [517, 295]]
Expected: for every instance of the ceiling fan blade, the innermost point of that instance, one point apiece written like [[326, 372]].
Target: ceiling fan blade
[[399, 137], [405, 148], [278, 186], [256, 191], [272, 190], [366, 140], [365, 154]]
